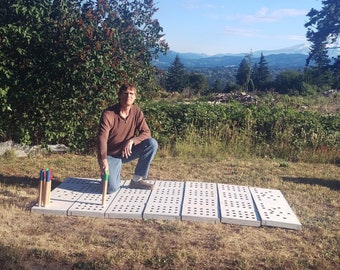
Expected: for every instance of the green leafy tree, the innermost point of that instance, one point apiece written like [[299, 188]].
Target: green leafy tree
[[175, 76], [321, 80], [24, 38], [197, 82], [230, 86], [323, 29], [63, 60], [289, 82], [336, 72]]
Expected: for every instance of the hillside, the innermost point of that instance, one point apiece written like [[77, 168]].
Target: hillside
[[192, 61], [286, 58]]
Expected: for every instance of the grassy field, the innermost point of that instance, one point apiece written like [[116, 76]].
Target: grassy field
[[33, 241]]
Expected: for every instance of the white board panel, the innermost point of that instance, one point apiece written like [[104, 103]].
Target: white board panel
[[174, 200], [200, 202], [165, 201], [237, 205], [128, 203], [274, 209]]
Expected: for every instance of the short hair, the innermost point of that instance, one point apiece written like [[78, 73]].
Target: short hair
[[126, 86]]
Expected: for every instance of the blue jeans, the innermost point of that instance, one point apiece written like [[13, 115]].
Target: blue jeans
[[145, 152]]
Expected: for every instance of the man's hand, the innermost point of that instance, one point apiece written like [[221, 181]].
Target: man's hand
[[104, 167], [127, 149]]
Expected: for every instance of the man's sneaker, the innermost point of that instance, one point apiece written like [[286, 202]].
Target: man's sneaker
[[141, 184]]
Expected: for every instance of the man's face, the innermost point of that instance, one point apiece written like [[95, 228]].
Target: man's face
[[128, 97]]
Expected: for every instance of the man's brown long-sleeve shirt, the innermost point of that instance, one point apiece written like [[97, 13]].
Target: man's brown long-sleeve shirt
[[114, 131]]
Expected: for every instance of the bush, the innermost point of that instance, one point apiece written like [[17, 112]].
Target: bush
[[205, 129], [276, 132]]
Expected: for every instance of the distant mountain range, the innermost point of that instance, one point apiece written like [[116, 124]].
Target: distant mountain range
[[287, 58]]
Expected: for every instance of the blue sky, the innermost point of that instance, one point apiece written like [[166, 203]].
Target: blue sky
[[233, 26]]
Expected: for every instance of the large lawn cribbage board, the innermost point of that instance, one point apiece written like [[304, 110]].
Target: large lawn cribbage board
[[174, 200]]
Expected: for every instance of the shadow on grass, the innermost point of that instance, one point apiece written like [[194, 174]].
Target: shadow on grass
[[25, 181], [331, 184], [8, 257], [23, 202], [26, 257]]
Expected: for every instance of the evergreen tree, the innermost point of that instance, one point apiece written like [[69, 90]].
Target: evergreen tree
[[175, 77], [261, 74], [244, 73], [323, 29], [217, 87]]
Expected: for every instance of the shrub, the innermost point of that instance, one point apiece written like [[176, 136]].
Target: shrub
[[279, 132]]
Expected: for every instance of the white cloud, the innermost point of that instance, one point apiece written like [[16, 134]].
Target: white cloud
[[199, 4], [241, 32], [295, 37], [192, 4], [254, 33], [264, 14]]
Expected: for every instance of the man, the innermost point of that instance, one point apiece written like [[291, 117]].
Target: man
[[123, 136]]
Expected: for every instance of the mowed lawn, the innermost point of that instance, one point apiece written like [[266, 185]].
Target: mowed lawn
[[34, 241]]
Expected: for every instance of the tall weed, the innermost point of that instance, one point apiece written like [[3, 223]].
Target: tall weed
[[201, 129]]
